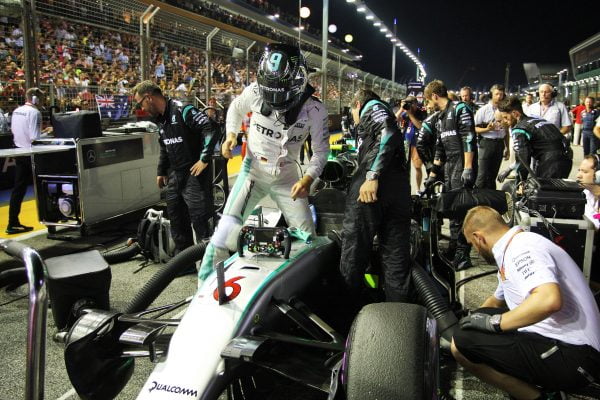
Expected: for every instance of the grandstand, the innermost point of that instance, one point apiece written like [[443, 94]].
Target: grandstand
[[94, 48]]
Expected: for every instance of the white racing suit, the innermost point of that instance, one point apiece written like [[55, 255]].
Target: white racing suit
[[269, 168]]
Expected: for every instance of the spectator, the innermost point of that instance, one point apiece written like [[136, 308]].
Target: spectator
[[541, 327], [576, 111], [589, 115]]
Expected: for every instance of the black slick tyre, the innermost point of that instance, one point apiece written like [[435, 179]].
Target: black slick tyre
[[391, 354]]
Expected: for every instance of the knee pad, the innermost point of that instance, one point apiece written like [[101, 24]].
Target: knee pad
[[227, 232]]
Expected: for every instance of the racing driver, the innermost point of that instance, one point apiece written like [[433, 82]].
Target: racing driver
[[284, 113]]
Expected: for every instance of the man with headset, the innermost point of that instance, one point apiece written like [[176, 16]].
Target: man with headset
[[26, 126], [550, 109]]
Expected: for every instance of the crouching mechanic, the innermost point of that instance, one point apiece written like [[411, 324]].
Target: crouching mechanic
[[535, 138], [378, 201], [187, 139], [540, 331], [284, 113]]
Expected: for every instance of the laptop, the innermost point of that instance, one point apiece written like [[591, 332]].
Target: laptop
[[550, 184]]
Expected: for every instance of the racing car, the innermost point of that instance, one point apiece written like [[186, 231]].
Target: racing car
[[255, 317]]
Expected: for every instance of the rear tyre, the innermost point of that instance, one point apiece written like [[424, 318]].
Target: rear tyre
[[391, 353]]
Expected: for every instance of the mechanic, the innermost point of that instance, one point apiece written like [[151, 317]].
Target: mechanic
[[456, 151], [535, 138], [26, 126], [588, 174], [187, 139], [493, 141], [426, 140], [378, 199], [284, 113], [540, 330], [410, 116]]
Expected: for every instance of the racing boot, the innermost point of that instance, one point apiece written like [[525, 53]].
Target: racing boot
[[462, 259], [450, 252]]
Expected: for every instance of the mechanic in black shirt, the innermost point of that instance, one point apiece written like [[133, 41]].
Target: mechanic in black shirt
[[426, 141], [378, 200], [187, 139], [456, 151], [538, 139]]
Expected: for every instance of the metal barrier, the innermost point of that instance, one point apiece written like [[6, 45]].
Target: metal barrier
[[106, 43], [37, 316]]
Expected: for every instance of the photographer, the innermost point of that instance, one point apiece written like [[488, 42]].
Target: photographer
[[410, 117]]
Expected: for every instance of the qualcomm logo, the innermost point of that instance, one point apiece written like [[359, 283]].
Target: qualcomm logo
[[173, 389]]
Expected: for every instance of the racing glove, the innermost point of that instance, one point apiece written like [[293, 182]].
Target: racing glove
[[502, 175], [468, 177], [428, 183], [481, 322]]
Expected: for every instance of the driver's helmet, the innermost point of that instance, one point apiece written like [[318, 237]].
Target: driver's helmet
[[282, 76]]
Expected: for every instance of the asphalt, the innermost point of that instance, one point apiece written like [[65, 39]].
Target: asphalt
[[126, 282]]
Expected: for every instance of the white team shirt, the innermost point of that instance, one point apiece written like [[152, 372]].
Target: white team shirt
[[26, 125], [556, 112], [485, 115], [531, 260], [271, 142], [591, 205]]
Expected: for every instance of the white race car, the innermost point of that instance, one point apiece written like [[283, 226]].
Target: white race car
[[252, 323]]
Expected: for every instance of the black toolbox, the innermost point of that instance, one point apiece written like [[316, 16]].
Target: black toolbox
[[557, 204]]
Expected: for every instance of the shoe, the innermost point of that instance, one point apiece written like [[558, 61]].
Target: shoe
[[14, 229], [462, 260], [450, 251]]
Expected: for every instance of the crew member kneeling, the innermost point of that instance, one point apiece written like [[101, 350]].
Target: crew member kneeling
[[549, 337]]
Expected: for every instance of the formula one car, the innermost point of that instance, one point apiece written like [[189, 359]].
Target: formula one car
[[251, 321]]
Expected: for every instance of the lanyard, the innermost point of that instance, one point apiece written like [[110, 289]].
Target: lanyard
[[504, 254]]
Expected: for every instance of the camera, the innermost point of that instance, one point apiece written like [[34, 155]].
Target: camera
[[407, 105]]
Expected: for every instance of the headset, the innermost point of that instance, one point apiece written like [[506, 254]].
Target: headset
[[35, 98], [597, 169]]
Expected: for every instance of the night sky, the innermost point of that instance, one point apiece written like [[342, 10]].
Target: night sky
[[463, 42]]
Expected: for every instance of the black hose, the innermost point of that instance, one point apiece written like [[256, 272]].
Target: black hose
[[121, 255], [154, 287], [433, 301], [13, 276]]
